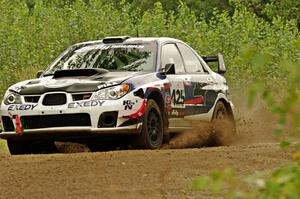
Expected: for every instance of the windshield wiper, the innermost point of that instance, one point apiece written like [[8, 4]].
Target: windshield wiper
[[50, 74]]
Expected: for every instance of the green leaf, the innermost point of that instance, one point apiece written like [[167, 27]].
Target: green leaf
[[201, 182]]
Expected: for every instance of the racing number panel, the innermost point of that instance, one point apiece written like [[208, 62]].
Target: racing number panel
[[189, 94]]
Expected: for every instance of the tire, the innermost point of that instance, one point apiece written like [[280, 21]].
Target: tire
[[223, 124], [20, 147], [151, 136]]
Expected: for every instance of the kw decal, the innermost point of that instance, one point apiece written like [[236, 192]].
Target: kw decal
[[92, 103], [21, 107], [128, 104]]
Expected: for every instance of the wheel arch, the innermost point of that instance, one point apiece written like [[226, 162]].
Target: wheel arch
[[157, 96], [228, 107]]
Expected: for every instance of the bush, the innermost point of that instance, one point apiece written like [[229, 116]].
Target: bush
[[284, 181], [34, 33]]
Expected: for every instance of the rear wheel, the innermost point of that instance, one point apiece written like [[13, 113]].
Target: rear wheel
[[151, 136], [19, 147], [223, 126]]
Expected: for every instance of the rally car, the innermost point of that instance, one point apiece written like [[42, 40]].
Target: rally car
[[143, 87]]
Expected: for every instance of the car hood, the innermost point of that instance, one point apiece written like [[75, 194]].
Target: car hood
[[72, 84]]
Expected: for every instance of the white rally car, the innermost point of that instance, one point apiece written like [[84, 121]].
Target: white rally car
[[146, 87]]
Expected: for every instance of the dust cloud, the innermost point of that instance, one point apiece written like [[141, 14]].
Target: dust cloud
[[254, 124]]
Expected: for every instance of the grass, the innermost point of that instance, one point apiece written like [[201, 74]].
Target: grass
[[3, 146]]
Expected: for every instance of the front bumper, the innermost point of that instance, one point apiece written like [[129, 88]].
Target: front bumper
[[67, 133], [125, 107]]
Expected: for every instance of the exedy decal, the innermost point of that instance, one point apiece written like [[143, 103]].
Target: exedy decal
[[21, 107], [92, 103]]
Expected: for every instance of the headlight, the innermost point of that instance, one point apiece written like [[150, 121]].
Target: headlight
[[12, 98], [112, 93]]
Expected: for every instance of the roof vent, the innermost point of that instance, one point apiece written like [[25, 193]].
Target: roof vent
[[113, 40]]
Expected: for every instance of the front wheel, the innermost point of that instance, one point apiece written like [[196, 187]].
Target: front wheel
[[151, 136]]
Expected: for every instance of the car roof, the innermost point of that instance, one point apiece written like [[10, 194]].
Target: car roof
[[158, 40]]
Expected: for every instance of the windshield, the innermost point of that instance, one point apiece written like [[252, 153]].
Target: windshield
[[127, 57]]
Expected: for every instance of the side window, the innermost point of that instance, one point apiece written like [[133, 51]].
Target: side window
[[170, 54], [192, 63]]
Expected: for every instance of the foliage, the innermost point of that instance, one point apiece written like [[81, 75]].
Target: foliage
[[38, 30], [3, 147], [259, 39], [283, 182]]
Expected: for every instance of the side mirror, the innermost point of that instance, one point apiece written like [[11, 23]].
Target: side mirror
[[39, 74], [221, 65], [169, 69]]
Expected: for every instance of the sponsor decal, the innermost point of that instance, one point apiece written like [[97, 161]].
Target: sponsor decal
[[177, 113], [107, 85], [92, 103], [168, 98], [59, 83], [128, 104], [21, 107], [141, 111], [106, 47]]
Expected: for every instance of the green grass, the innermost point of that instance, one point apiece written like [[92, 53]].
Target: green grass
[[3, 146]]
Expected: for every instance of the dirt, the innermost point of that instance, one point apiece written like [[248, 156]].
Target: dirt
[[166, 173], [128, 174]]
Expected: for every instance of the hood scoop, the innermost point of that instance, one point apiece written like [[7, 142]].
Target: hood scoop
[[88, 72]]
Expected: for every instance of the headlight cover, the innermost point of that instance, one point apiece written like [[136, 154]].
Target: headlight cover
[[112, 93], [12, 98]]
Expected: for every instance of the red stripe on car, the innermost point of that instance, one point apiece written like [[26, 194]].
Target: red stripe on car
[[198, 100], [141, 111]]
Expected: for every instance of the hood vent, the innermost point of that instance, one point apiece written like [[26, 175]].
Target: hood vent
[[79, 72], [114, 40]]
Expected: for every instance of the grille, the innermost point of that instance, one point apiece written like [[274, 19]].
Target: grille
[[8, 123], [32, 99], [63, 120], [55, 99], [77, 97]]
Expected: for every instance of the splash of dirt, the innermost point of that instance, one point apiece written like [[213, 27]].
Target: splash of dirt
[[254, 124], [204, 134]]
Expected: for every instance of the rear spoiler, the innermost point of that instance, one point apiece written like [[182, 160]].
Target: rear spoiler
[[216, 58]]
